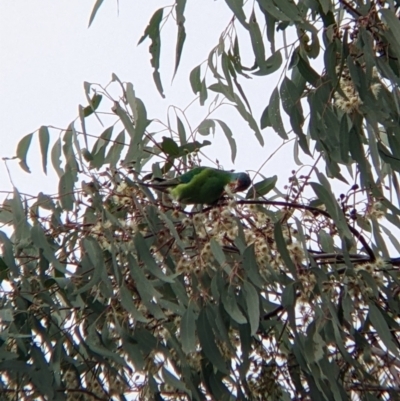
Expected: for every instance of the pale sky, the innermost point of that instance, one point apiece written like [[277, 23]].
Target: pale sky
[[47, 51]]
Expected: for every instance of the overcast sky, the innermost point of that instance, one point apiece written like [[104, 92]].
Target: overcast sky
[[47, 51]]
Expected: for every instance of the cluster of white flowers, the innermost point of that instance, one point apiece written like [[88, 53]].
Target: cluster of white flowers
[[376, 211], [352, 100]]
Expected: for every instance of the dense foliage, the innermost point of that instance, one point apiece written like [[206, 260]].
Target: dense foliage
[[112, 291]]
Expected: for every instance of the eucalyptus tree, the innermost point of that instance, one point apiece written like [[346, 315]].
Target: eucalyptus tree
[[112, 290]]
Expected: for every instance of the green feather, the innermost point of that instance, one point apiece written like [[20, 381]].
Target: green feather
[[203, 185]]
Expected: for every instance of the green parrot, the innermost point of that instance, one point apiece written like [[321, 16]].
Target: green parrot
[[202, 185]]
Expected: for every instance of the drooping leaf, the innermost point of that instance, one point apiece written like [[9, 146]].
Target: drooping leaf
[[250, 120], [180, 21], [66, 190], [8, 253], [252, 306], [261, 188], [265, 120], [257, 42], [114, 153], [55, 157], [195, 80], [230, 138], [188, 329], [270, 7], [272, 64], [39, 238], [207, 342], [230, 303], [169, 147], [237, 7], [44, 138], [93, 106], [94, 10], [206, 127], [22, 150], [153, 33], [382, 328], [274, 115]]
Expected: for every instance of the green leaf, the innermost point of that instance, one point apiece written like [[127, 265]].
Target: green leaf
[[175, 382], [6, 216], [324, 193], [148, 260], [66, 190], [94, 343], [39, 239], [6, 315], [237, 7], [251, 267], [309, 74], [394, 25], [224, 89], [230, 138], [288, 92], [153, 32], [207, 342], [392, 238], [135, 129], [272, 64], [265, 120], [114, 154], [326, 241], [180, 20], [71, 164], [229, 301], [261, 188], [8, 253], [129, 305], [270, 7], [169, 147], [188, 329], [217, 252], [274, 115], [330, 59], [206, 127], [172, 229], [282, 249], [44, 138], [252, 305], [146, 290], [56, 158], [181, 131], [125, 119], [93, 106], [257, 41], [22, 150], [139, 115], [94, 10], [203, 92], [313, 49], [192, 147], [95, 253], [21, 225], [99, 149], [290, 9], [382, 328], [250, 120], [195, 80]]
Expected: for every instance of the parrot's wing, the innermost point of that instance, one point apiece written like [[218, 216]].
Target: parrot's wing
[[165, 185], [190, 175], [204, 187]]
